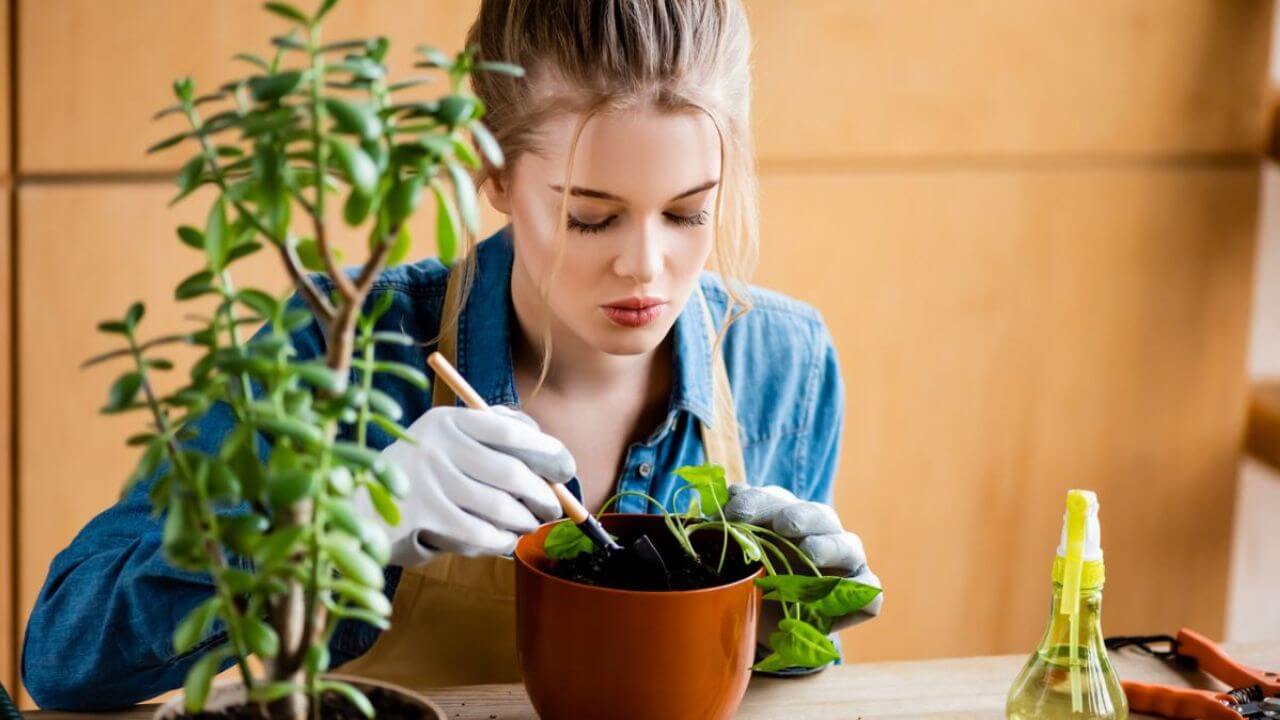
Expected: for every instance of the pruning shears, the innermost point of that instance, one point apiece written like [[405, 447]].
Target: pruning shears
[[1255, 694]]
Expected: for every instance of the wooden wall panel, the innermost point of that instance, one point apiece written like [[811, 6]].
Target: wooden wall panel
[[6, 92], [8, 553], [86, 252], [1008, 335], [834, 79], [917, 78], [94, 72]]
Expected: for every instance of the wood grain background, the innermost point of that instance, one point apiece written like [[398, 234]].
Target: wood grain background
[[1029, 225]]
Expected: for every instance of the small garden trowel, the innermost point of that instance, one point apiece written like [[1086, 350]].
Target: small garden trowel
[[642, 548]]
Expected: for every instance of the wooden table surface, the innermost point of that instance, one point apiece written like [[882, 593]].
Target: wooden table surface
[[951, 688]]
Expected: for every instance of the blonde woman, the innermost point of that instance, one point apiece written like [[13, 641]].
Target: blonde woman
[[590, 317]]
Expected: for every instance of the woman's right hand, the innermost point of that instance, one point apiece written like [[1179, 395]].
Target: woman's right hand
[[477, 480]]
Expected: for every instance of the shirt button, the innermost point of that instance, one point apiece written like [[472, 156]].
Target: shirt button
[[645, 469]]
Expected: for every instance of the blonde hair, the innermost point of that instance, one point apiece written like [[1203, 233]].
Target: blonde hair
[[589, 57]]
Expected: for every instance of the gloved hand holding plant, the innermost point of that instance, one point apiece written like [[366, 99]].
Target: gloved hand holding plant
[[815, 529]]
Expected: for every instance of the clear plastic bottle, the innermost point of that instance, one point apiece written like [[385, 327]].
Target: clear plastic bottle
[[1069, 675]]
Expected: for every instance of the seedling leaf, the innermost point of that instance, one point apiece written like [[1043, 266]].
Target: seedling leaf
[[709, 481], [797, 588], [566, 541], [800, 643], [846, 597]]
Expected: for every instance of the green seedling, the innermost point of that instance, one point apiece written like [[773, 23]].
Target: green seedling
[[810, 601]]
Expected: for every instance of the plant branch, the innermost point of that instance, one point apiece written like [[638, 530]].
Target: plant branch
[[342, 339], [233, 332], [217, 556], [377, 262], [162, 340], [319, 148], [315, 300]]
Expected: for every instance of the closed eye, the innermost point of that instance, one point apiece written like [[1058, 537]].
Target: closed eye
[[698, 218], [590, 228]]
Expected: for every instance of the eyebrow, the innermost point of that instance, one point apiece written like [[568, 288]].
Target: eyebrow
[[602, 195]]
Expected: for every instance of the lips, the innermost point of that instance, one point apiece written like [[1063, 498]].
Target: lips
[[634, 312]]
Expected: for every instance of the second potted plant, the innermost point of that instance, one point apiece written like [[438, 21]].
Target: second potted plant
[[264, 510]]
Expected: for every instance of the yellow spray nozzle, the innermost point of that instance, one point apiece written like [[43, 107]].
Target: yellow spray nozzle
[[1073, 565], [1078, 504]]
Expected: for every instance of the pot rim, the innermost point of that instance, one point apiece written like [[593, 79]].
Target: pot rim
[[231, 692], [520, 559]]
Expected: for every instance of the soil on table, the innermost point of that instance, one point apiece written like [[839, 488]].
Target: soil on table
[[389, 706], [628, 570]]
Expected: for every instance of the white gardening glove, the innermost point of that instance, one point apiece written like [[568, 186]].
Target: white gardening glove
[[477, 480], [815, 528]]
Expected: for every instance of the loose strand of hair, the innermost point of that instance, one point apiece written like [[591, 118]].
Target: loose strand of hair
[[562, 240], [729, 229]]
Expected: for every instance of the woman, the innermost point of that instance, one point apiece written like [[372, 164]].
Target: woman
[[628, 168]]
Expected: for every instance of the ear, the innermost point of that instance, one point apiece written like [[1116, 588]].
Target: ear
[[497, 188]]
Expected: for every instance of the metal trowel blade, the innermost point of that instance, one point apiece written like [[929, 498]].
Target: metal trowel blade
[[648, 554]]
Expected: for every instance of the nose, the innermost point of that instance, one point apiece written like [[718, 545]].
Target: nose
[[642, 255]]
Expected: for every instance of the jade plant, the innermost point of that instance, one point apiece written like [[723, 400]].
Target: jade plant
[[267, 513], [809, 600]]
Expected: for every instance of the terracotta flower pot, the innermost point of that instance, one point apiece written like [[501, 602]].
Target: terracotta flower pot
[[589, 651], [230, 693]]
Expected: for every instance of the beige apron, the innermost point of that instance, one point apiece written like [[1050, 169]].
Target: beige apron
[[453, 620]]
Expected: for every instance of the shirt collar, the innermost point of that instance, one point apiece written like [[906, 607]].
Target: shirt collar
[[692, 361], [484, 337]]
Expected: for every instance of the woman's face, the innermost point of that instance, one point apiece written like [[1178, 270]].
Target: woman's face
[[640, 224]]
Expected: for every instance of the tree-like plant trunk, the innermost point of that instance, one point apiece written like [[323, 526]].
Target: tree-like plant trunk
[[289, 618]]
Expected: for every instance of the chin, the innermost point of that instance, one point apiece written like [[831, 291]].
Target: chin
[[628, 341]]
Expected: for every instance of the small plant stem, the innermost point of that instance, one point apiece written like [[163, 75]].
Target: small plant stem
[[217, 556], [770, 547], [682, 536], [233, 332], [122, 352], [791, 546], [774, 549], [724, 547], [314, 610], [676, 529], [366, 384], [320, 149]]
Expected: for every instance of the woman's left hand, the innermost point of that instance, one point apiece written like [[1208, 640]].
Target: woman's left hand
[[815, 528]]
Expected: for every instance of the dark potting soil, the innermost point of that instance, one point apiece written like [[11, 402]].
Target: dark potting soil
[[628, 570], [389, 706]]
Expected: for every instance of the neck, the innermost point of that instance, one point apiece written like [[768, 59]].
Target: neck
[[576, 368]]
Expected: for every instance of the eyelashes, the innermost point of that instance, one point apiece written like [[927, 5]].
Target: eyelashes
[[698, 218], [590, 228]]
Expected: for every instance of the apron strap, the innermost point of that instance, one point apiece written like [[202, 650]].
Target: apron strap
[[447, 344], [720, 439]]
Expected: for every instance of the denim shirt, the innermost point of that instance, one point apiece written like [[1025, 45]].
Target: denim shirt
[[99, 636]]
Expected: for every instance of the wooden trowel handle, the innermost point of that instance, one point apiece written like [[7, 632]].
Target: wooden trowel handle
[[449, 374]]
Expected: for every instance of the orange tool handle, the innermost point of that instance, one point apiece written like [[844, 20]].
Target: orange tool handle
[[1217, 663], [1175, 702]]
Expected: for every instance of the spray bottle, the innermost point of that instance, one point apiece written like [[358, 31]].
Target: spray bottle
[[1069, 676]]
